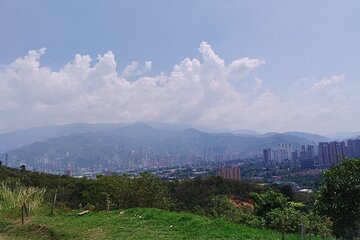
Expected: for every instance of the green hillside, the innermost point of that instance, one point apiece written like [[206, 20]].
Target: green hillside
[[223, 208], [136, 223]]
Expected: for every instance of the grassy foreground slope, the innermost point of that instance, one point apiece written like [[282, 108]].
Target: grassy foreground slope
[[135, 224]]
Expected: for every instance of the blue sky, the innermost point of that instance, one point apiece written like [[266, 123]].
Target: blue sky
[[306, 72]]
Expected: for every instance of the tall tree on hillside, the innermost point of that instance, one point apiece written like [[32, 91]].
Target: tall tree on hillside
[[339, 198]]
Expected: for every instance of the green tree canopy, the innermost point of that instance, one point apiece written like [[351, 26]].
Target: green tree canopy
[[287, 191], [266, 202], [339, 198]]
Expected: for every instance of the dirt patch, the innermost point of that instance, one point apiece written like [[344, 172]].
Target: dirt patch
[[96, 234], [242, 203]]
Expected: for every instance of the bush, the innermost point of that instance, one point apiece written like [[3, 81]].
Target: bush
[[284, 220], [219, 206], [318, 225], [248, 218]]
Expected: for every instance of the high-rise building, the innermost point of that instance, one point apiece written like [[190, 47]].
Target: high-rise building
[[295, 156], [310, 151], [353, 148], [335, 152], [267, 155], [307, 155], [343, 149], [331, 153], [287, 147], [229, 173], [324, 154], [303, 152], [278, 155], [307, 152]]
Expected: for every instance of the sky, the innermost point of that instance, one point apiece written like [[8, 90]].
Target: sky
[[223, 64]]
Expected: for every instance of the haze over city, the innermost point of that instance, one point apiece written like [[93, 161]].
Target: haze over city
[[274, 66]]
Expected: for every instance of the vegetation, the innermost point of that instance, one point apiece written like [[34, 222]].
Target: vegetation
[[13, 198], [138, 224], [277, 213], [237, 204], [124, 192], [339, 198]]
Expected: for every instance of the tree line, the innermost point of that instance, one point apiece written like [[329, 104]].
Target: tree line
[[334, 209]]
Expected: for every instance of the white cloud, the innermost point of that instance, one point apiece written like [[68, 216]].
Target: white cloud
[[195, 91], [239, 68], [135, 70], [209, 56], [148, 65], [326, 82]]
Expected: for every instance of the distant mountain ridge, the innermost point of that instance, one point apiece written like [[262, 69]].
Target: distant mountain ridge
[[92, 147], [310, 136], [16, 139], [19, 138]]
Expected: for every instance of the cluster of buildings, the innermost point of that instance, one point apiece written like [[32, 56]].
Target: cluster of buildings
[[326, 154], [284, 152], [334, 152]]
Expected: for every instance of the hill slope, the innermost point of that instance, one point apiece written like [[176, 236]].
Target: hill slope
[[137, 224]]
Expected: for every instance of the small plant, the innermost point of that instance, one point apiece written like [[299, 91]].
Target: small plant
[[5, 226]]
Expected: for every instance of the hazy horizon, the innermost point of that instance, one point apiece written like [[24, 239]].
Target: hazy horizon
[[342, 135], [266, 67]]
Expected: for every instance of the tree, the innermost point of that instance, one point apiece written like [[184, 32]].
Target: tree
[[339, 198], [286, 216], [150, 191], [287, 191], [266, 202]]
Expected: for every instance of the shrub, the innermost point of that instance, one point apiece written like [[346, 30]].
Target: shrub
[[318, 225], [248, 218], [219, 206], [284, 220]]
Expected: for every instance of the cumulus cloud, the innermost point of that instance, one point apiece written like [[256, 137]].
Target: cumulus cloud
[[196, 91], [134, 69]]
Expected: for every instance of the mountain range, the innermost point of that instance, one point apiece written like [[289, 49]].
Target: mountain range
[[88, 144]]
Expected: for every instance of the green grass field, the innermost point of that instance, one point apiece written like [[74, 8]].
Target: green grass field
[[134, 224]]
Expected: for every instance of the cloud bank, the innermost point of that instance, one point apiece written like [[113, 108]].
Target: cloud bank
[[204, 91]]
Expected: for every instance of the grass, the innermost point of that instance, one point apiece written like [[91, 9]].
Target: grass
[[135, 224], [12, 198]]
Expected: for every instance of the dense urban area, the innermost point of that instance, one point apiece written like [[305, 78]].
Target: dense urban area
[[284, 164]]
